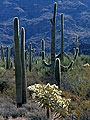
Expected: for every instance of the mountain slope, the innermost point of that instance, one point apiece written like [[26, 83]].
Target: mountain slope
[[35, 16]]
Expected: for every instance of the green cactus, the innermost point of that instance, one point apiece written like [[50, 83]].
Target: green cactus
[[11, 64], [58, 72], [43, 49], [62, 37], [30, 57], [2, 53], [18, 66], [56, 68], [26, 59], [53, 21], [76, 50], [23, 66], [8, 57]]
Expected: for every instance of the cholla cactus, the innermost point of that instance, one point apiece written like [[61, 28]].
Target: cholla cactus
[[49, 97]]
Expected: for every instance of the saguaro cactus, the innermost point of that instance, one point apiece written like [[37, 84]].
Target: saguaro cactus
[[58, 67], [26, 59], [30, 57], [53, 57], [58, 72], [62, 37], [23, 66], [76, 50], [53, 21], [2, 53], [8, 57], [43, 49], [18, 66]]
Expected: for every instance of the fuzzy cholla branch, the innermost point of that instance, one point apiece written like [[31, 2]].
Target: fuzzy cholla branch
[[49, 96]]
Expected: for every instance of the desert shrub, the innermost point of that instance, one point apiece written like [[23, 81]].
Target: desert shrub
[[2, 71], [49, 97], [2, 63], [85, 59], [77, 81], [3, 86]]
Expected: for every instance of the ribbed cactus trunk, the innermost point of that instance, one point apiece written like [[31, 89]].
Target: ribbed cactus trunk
[[43, 49], [53, 21], [30, 57], [62, 37], [58, 72], [18, 67], [26, 58], [23, 66], [2, 53], [8, 57]]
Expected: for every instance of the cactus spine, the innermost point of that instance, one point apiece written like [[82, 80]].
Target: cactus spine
[[23, 65], [18, 67], [8, 58], [2, 53], [58, 72], [62, 37], [43, 49], [30, 57]]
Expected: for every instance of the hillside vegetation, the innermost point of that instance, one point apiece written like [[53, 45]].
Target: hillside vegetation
[[75, 85]]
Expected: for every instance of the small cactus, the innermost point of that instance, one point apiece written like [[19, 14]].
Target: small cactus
[[43, 49], [2, 53], [30, 57], [26, 59], [8, 58]]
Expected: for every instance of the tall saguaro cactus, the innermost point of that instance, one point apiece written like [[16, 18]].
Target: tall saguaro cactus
[[23, 65], [8, 57], [62, 37], [18, 66], [53, 21], [2, 53], [58, 67], [53, 56]]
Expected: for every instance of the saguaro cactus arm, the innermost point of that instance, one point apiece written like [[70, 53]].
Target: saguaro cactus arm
[[46, 64], [58, 72], [66, 68]]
